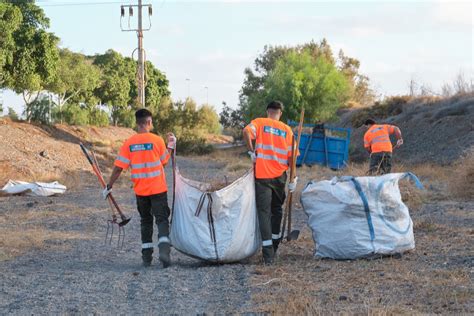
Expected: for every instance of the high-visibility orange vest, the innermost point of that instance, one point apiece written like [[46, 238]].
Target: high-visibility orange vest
[[377, 138], [146, 155], [273, 141]]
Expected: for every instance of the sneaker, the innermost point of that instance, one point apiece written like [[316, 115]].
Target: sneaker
[[165, 250]]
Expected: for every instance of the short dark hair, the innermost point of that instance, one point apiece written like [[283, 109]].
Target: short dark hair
[[276, 105], [141, 116], [369, 122]]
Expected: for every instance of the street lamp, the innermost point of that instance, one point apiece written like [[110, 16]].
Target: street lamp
[[207, 95]]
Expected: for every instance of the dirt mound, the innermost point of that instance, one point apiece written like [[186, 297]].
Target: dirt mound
[[437, 130], [35, 152]]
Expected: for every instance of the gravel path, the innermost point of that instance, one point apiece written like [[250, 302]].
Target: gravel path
[[86, 276]]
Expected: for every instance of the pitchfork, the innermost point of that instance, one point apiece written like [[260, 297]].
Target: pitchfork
[[115, 209]]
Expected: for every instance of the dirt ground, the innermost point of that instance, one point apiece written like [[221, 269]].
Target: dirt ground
[[54, 261]]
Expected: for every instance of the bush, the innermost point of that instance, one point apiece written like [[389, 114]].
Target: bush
[[460, 182], [38, 111], [190, 143], [380, 110], [98, 117], [12, 114], [72, 114]]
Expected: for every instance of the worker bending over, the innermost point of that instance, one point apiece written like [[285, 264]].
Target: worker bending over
[[271, 156], [377, 143], [146, 155]]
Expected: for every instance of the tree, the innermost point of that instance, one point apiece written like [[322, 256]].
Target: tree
[[39, 110], [232, 121], [360, 89], [254, 93], [10, 21], [115, 81], [31, 65], [12, 114], [75, 75], [302, 80], [208, 119], [156, 87]]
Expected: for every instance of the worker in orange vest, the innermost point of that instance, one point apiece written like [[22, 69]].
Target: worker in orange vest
[[377, 143], [271, 156], [146, 155]]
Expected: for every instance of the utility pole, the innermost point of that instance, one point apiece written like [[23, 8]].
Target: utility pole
[[141, 79]]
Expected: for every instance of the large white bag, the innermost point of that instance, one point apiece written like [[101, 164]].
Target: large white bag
[[218, 226], [33, 188], [358, 217]]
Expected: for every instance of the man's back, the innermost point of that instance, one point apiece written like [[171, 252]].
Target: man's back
[[146, 155], [273, 140], [377, 138]]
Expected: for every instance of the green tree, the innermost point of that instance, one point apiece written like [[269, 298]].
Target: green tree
[[115, 84], [12, 114], [10, 21], [208, 119], [255, 91], [360, 88], [31, 65], [157, 87], [73, 114], [301, 80], [39, 110], [75, 75]]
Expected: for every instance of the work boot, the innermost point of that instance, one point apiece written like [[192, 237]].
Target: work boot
[[165, 250], [147, 256], [276, 243], [268, 254]]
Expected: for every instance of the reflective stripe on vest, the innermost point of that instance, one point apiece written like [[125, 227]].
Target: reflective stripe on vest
[[145, 165], [271, 147], [163, 157], [380, 139], [254, 129], [145, 175], [123, 159], [272, 157]]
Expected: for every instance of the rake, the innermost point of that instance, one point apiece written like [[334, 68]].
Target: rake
[[115, 209]]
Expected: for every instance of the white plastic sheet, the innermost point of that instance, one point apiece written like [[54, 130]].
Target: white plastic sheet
[[224, 228], [358, 217], [33, 188]]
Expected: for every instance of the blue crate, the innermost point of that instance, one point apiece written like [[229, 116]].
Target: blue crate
[[329, 148]]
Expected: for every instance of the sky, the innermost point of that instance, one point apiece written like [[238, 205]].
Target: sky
[[212, 42]]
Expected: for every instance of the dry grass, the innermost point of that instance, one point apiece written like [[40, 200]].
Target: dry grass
[[461, 180], [301, 285]]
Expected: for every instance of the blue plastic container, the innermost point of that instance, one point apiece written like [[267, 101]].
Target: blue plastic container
[[328, 147]]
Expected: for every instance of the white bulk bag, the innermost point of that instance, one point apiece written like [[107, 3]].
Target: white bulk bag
[[34, 188], [218, 226], [353, 217]]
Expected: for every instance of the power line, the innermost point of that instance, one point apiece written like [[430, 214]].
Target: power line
[[46, 4]]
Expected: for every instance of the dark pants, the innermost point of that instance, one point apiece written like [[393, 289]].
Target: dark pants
[[270, 195], [380, 163], [153, 206]]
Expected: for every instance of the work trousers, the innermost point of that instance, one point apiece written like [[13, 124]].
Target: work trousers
[[153, 206], [380, 163], [270, 195]]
